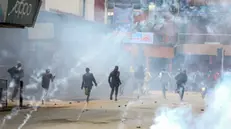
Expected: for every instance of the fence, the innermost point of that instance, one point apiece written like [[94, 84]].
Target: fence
[[195, 38]]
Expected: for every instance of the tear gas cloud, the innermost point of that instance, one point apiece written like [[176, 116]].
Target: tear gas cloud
[[84, 44], [216, 116], [80, 44]]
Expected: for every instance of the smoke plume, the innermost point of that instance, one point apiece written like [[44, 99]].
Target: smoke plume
[[216, 116]]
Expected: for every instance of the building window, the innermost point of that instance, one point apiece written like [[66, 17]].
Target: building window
[[110, 19], [110, 13]]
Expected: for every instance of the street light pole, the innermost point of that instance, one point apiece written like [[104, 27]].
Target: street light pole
[[105, 11], [222, 61]]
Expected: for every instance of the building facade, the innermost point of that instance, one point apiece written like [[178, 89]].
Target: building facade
[[92, 10]]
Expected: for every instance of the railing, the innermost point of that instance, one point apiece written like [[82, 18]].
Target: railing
[[194, 38]]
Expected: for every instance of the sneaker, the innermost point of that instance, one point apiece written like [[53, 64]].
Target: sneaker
[[116, 99], [111, 98]]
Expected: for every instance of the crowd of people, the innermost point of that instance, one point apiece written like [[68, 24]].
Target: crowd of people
[[142, 81]]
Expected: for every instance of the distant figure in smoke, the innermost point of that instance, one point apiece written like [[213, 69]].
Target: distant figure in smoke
[[132, 76], [16, 73], [114, 82], [132, 71], [181, 80], [87, 83], [47, 77], [139, 75], [164, 79], [147, 79]]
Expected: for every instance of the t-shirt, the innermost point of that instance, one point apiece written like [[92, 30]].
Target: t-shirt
[[88, 80], [46, 78], [115, 77]]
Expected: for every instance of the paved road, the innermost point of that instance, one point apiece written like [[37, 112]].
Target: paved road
[[127, 113]]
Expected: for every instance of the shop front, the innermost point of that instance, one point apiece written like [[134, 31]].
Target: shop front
[[203, 56], [141, 47], [153, 57]]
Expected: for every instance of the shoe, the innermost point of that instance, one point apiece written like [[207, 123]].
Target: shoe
[[111, 98], [116, 99]]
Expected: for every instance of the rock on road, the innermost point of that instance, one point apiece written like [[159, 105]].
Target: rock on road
[[127, 113]]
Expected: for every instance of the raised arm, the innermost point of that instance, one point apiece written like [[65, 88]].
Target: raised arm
[[93, 79], [109, 78], [119, 78], [52, 77], [11, 71]]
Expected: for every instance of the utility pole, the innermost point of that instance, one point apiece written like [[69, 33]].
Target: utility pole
[[84, 8], [105, 11], [222, 61], [220, 56]]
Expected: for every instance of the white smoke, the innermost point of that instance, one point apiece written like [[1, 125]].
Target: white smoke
[[217, 115]]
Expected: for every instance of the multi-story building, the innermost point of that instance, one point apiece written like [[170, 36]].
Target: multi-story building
[[192, 32], [89, 9]]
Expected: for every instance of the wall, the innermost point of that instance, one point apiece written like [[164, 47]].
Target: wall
[[203, 49], [151, 51], [69, 6], [99, 10], [72, 6], [89, 10], [159, 52]]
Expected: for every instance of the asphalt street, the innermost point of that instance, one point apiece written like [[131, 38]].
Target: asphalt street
[[127, 113]]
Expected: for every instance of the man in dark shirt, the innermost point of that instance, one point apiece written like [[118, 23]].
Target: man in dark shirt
[[114, 82], [181, 80], [87, 83], [46, 78], [16, 73]]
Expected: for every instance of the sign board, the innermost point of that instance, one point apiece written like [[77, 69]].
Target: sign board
[[123, 16], [22, 12], [140, 38]]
